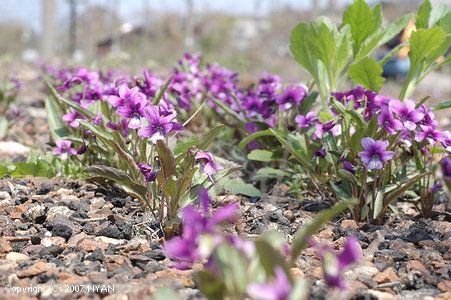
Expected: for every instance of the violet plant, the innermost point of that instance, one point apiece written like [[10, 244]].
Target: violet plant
[[235, 267], [119, 129], [360, 144]]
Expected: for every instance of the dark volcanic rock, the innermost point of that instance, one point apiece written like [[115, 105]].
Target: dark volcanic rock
[[417, 235], [44, 277], [62, 230], [155, 254], [118, 202], [96, 255], [44, 188], [112, 232]]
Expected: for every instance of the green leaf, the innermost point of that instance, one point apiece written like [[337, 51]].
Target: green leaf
[[209, 137], [270, 258], [70, 103], [23, 169], [252, 137], [368, 73], [422, 17], [360, 17], [300, 290], [438, 12], [183, 146], [167, 159], [382, 36], [348, 176], [422, 43], [166, 293], [355, 141], [238, 186], [343, 47], [121, 178], [321, 42], [268, 173], [445, 23], [265, 155], [210, 286], [442, 105], [300, 238], [169, 186], [184, 183], [56, 125], [299, 48], [307, 103], [98, 131], [399, 191]]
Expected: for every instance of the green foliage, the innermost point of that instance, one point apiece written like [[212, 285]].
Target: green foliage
[[368, 73]]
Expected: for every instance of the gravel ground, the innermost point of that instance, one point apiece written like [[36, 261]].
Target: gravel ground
[[95, 242]]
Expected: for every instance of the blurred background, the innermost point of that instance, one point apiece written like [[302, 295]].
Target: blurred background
[[249, 36], [246, 36]]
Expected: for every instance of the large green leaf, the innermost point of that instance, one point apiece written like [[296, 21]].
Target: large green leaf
[[56, 125], [422, 43], [438, 12], [422, 17], [382, 36], [321, 42], [343, 48], [299, 48], [368, 73], [360, 17]]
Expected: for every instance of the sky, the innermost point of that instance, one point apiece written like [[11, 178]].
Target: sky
[[29, 11]]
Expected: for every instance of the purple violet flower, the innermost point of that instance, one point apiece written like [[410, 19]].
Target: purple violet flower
[[279, 289], [72, 118], [319, 153], [146, 170], [436, 187], [133, 109], [428, 119], [196, 223], [334, 264], [347, 166], [64, 149], [388, 122], [407, 113], [375, 155], [159, 126], [82, 149], [292, 95], [430, 134], [306, 121], [125, 95], [251, 128], [210, 167], [446, 167]]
